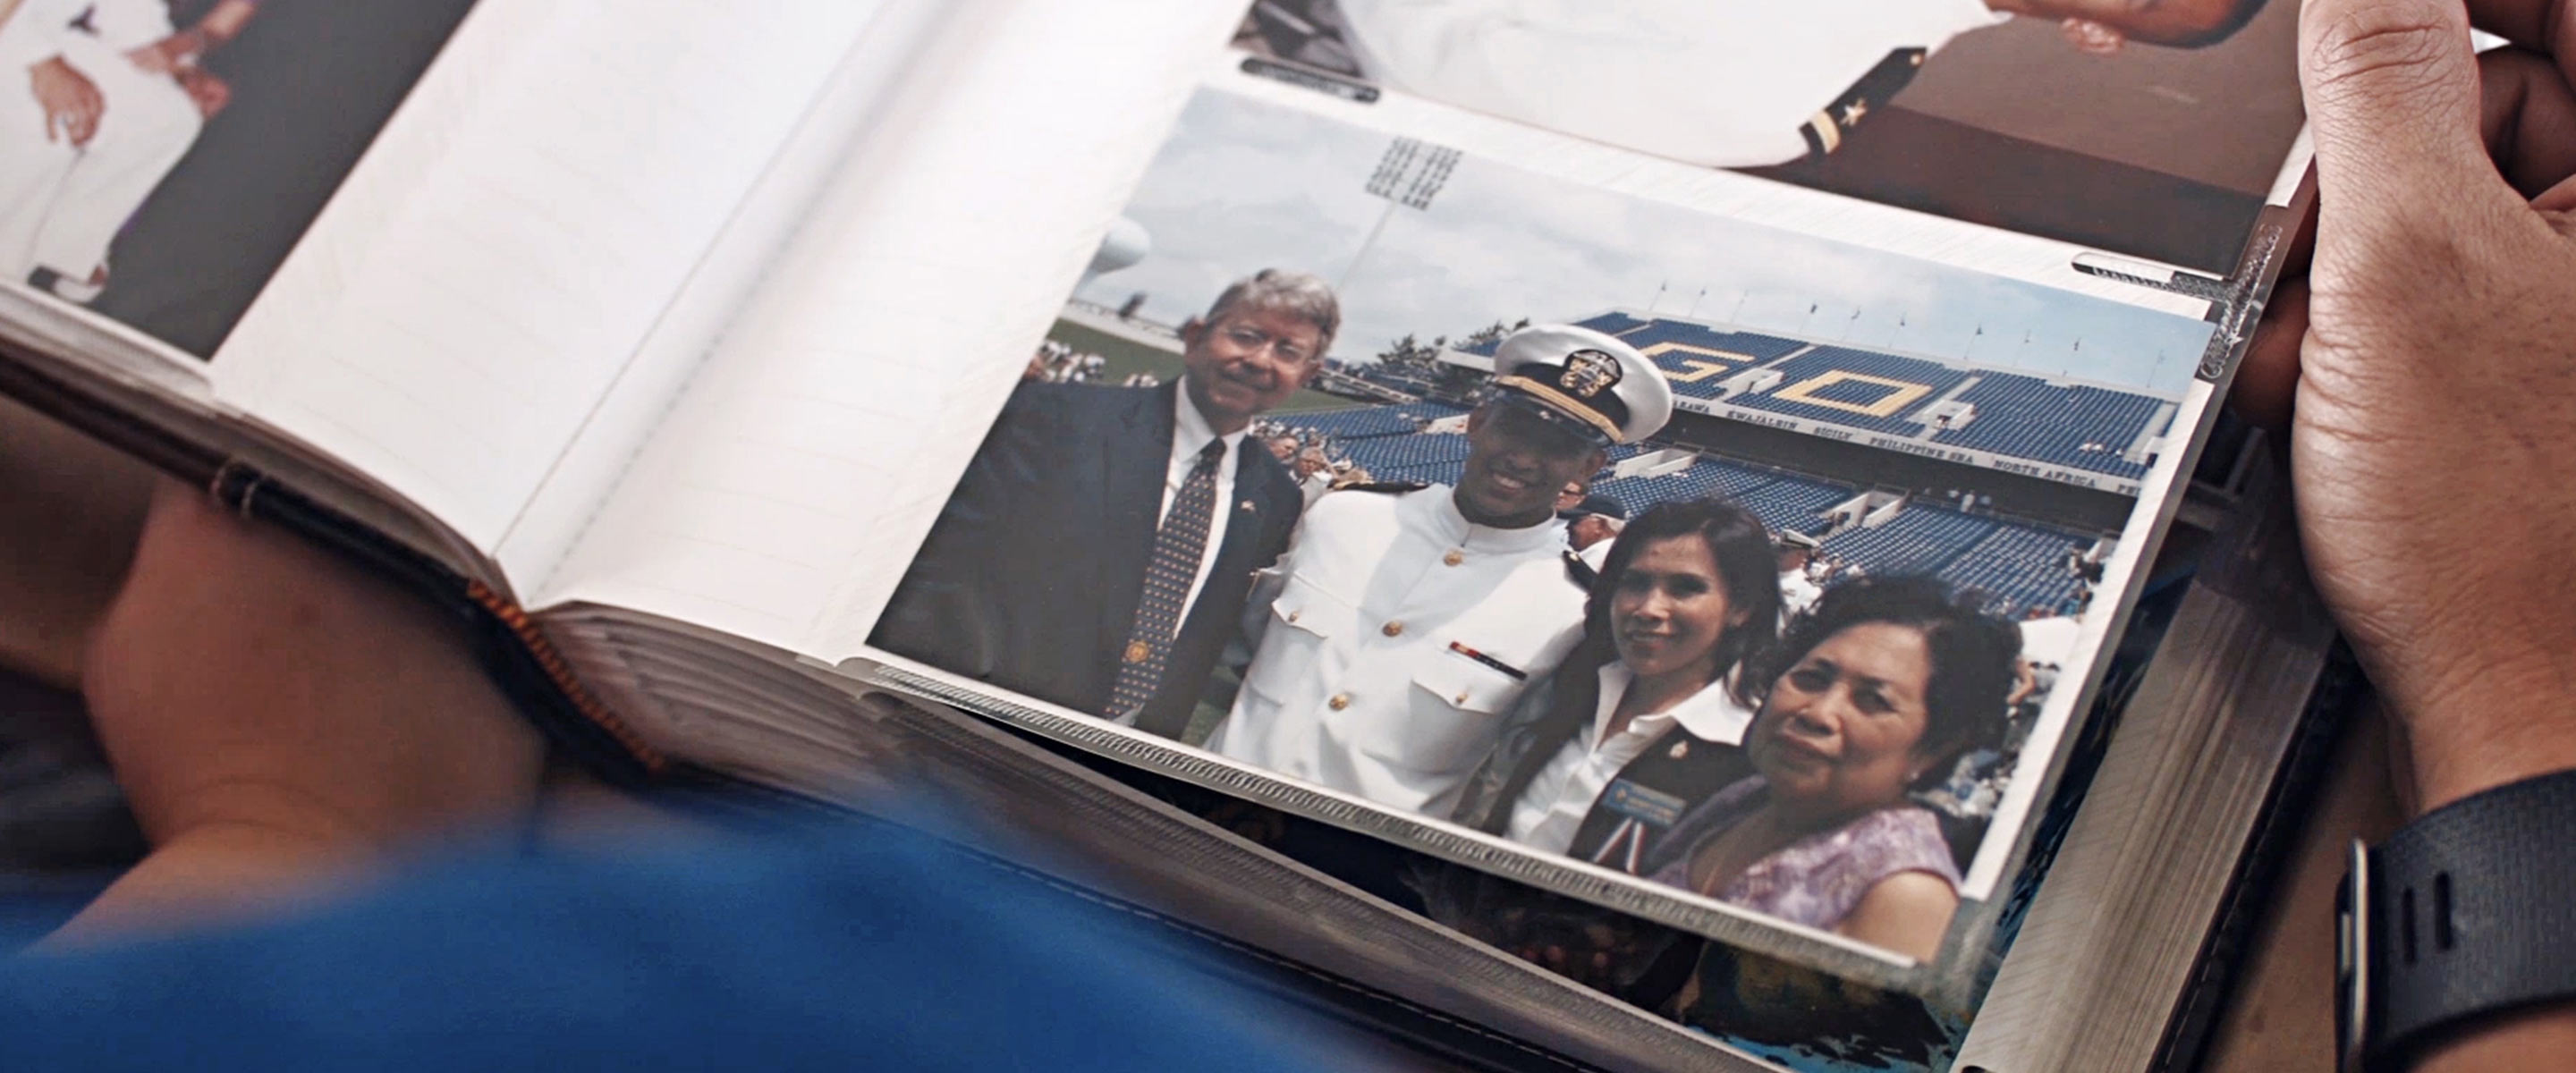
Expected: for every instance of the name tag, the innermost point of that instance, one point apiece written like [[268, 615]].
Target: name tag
[[1644, 803]]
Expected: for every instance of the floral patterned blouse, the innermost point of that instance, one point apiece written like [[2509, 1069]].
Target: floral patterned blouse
[[1818, 879]]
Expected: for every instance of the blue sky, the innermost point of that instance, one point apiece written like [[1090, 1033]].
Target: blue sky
[[1244, 185]]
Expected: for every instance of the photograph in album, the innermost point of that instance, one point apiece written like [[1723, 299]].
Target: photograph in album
[[160, 157], [2035, 116], [1734, 566]]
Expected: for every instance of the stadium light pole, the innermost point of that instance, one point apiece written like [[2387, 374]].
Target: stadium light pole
[[1409, 175]]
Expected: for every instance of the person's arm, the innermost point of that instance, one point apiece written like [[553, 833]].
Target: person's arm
[[182, 49], [1907, 912], [2425, 362], [279, 717]]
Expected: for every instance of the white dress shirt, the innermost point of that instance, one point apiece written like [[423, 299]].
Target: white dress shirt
[[1551, 809], [1725, 83], [1401, 635], [1190, 435]]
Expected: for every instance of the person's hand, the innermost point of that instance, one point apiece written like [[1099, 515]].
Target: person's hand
[[71, 102], [276, 715], [169, 55], [209, 93], [2434, 406]]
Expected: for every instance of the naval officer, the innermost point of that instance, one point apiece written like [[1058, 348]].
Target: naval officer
[[1409, 617], [1727, 85]]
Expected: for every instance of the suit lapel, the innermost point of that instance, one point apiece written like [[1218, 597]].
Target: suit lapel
[[1256, 505], [1135, 450]]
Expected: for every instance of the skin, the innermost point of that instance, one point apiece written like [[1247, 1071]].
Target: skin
[[1666, 616], [1246, 361], [1839, 736], [281, 719], [72, 104], [2420, 370], [2103, 27], [1517, 464]]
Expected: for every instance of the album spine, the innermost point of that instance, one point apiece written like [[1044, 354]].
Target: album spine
[[510, 645]]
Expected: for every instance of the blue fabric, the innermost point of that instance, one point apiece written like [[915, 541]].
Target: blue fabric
[[848, 948]]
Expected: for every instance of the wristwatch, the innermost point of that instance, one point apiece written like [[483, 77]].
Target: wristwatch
[[2468, 911]]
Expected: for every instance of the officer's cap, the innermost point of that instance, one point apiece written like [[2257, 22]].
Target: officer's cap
[[1584, 380]]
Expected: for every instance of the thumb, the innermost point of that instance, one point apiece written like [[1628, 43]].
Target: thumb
[[2392, 95]]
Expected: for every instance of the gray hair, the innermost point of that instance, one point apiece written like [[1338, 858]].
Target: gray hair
[[1297, 294]]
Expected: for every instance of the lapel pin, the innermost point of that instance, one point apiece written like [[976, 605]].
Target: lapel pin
[[1681, 749]]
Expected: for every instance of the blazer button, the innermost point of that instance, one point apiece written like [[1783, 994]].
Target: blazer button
[[1461, 701], [1292, 616], [1454, 558], [1392, 629], [1339, 701]]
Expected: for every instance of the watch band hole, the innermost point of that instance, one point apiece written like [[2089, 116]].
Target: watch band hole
[[2406, 924], [2442, 910]]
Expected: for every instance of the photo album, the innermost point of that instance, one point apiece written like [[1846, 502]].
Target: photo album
[[1618, 534]]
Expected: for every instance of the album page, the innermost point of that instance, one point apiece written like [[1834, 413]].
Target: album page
[[443, 241], [1721, 533]]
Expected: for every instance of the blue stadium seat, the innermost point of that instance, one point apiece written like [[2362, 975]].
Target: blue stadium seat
[[1918, 540], [2027, 417], [2019, 566]]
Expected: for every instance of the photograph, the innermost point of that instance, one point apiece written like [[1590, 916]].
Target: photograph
[[2148, 129], [1736, 561], [161, 157]]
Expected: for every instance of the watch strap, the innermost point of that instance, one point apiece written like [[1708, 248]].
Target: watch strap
[[2466, 912]]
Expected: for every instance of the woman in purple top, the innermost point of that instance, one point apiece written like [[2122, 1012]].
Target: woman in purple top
[[1870, 694]]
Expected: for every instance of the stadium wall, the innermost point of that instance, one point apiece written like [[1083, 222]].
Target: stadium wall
[[1849, 460], [1921, 448]]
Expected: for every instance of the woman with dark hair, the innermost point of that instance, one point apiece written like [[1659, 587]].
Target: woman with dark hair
[[1866, 699], [1643, 719]]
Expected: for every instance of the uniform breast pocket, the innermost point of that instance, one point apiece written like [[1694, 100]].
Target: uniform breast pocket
[[1455, 715], [1302, 621]]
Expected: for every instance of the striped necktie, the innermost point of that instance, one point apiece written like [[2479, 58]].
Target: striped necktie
[[1178, 546]]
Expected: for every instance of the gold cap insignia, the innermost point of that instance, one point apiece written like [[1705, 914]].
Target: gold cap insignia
[[1587, 373]]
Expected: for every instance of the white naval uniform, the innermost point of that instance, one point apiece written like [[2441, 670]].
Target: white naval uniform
[[61, 206], [1364, 681], [1724, 83]]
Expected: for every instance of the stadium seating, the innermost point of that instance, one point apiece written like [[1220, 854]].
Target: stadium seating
[[2027, 417], [1918, 540], [2018, 567], [1385, 456], [1364, 422], [1612, 323], [1790, 504]]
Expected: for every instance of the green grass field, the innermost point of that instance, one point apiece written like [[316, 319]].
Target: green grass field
[[1124, 357]]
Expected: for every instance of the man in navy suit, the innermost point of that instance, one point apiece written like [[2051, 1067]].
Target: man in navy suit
[[1099, 549]]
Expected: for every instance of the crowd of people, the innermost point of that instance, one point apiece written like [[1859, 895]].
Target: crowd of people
[[1684, 695]]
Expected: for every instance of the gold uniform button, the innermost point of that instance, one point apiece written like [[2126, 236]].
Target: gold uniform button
[[1137, 652], [1454, 558], [1292, 616], [1392, 629], [1462, 699], [1339, 701]]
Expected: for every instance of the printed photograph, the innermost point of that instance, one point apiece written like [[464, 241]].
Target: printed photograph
[[1727, 558], [160, 157], [2153, 129]]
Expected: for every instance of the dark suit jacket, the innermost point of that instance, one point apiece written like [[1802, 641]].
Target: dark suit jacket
[[1031, 578]]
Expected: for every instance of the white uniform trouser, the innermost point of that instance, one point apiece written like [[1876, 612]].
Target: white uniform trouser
[[61, 206]]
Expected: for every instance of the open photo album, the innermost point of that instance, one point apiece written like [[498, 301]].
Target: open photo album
[[1676, 474]]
